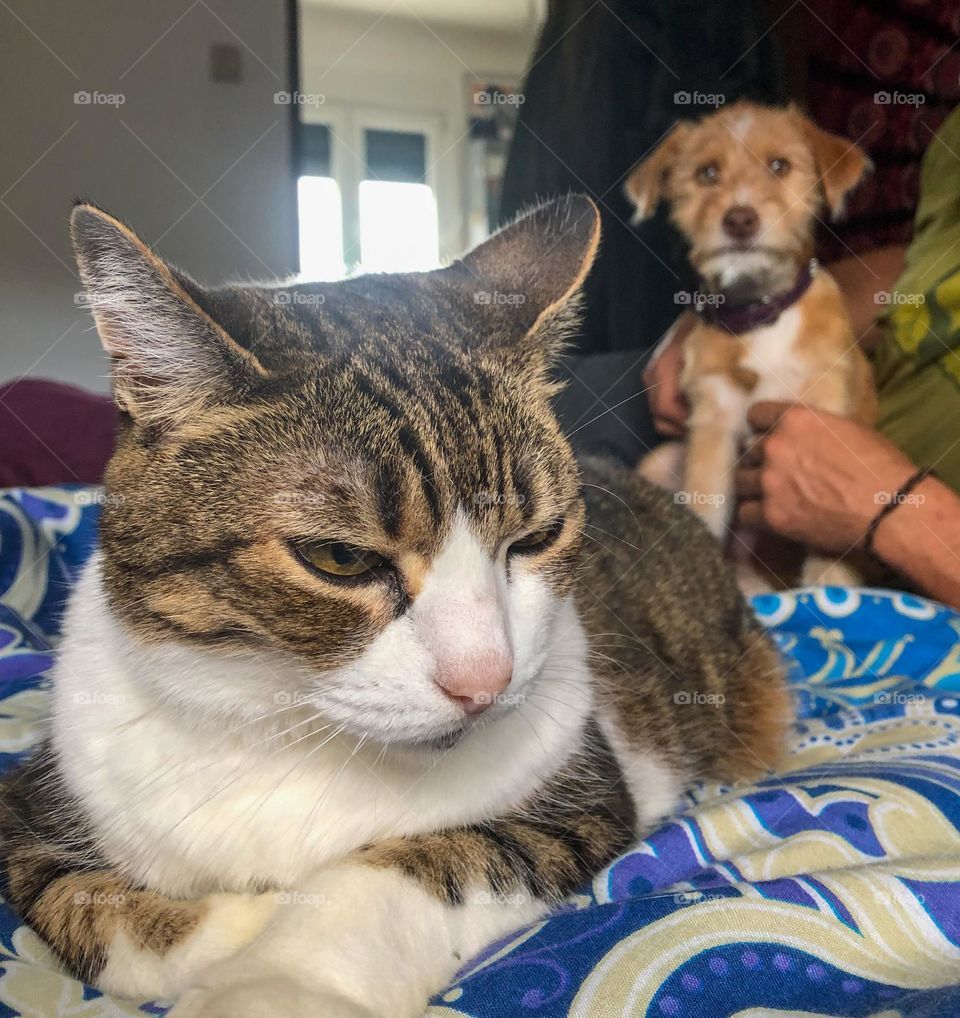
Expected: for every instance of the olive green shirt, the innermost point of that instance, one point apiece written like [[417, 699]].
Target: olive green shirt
[[917, 362]]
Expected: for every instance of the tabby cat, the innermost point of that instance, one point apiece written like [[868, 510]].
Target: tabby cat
[[366, 672]]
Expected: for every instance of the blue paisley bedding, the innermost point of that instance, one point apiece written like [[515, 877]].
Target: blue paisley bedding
[[833, 889]]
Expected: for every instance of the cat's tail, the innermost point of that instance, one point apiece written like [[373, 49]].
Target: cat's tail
[[758, 709]]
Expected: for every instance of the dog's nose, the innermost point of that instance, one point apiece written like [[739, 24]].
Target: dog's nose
[[740, 222]]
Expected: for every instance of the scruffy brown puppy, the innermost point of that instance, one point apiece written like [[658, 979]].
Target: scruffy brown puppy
[[746, 187]]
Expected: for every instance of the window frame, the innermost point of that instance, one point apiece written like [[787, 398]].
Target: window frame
[[347, 125]]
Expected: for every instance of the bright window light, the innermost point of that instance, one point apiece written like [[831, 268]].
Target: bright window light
[[321, 229], [398, 227]]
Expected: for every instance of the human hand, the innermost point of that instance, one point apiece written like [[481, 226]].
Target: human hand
[[815, 477], [661, 377]]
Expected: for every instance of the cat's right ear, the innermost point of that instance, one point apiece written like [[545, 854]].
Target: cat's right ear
[[170, 358], [525, 278]]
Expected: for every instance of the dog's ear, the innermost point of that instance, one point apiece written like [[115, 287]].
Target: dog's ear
[[841, 163], [646, 185]]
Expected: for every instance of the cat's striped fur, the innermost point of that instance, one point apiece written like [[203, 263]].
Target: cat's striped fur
[[253, 794]]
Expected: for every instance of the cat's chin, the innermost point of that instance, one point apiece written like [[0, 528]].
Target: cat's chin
[[441, 743]]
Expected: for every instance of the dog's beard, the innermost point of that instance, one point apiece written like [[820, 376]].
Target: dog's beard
[[746, 276]]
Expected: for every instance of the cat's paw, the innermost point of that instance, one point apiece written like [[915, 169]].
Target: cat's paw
[[266, 998]]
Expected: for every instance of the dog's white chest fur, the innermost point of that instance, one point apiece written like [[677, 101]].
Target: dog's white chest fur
[[782, 372], [772, 353]]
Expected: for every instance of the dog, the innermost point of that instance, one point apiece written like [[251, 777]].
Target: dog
[[745, 187]]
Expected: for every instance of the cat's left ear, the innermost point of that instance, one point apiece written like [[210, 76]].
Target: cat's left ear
[[525, 277], [170, 359]]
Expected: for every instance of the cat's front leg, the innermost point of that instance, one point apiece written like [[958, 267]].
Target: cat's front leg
[[380, 934]]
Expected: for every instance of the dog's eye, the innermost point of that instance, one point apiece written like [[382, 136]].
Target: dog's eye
[[334, 558], [779, 167], [708, 174], [535, 541]]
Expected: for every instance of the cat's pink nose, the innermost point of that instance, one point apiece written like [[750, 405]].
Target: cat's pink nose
[[476, 681]]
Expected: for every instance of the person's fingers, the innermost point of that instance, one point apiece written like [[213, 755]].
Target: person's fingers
[[753, 454], [766, 414], [748, 483], [667, 402], [750, 513], [667, 426]]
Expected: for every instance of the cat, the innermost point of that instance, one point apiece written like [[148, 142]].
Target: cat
[[367, 671]]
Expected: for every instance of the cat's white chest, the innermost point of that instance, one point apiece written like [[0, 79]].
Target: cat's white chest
[[188, 809]]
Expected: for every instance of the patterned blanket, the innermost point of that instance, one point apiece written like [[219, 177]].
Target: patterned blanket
[[831, 890]]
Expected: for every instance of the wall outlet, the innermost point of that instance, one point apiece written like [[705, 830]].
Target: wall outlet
[[226, 63]]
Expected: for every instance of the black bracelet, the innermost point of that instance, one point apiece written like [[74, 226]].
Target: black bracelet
[[894, 500]]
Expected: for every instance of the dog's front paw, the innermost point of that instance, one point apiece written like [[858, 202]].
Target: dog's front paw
[[266, 998]]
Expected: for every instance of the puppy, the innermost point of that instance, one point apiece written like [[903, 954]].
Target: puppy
[[746, 186]]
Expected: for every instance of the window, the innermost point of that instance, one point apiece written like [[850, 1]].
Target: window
[[321, 229], [368, 207], [398, 211], [320, 207]]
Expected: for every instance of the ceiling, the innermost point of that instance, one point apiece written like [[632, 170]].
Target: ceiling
[[489, 14]]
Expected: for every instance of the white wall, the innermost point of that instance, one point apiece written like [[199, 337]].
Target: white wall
[[229, 144], [417, 69]]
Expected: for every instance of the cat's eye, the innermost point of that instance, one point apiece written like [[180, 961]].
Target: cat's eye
[[708, 174], [335, 558], [779, 167], [536, 540]]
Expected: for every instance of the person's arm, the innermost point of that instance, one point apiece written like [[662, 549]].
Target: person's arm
[[661, 379], [866, 282], [821, 479], [921, 540]]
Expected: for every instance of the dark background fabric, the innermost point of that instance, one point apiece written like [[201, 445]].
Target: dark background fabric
[[857, 51], [601, 92]]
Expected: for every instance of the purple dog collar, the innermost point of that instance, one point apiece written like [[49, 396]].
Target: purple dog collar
[[747, 317]]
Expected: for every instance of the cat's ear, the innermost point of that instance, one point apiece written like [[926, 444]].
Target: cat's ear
[[170, 358], [526, 275]]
